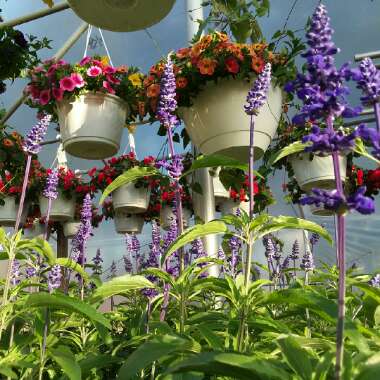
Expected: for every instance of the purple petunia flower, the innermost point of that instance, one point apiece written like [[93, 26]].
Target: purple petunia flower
[[167, 102], [50, 190], [33, 139], [54, 278], [257, 95]]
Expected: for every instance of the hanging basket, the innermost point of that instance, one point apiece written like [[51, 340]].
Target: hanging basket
[[131, 199], [229, 206], [8, 212], [128, 223], [167, 216], [320, 211], [220, 192], [91, 125], [217, 123], [122, 15], [62, 209], [318, 173], [70, 229]]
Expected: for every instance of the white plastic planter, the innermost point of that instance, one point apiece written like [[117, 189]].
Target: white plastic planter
[[320, 211], [62, 209], [70, 229], [128, 223], [318, 173], [167, 216], [229, 206], [8, 212], [37, 229], [122, 15], [220, 192], [91, 125], [217, 123], [131, 199]]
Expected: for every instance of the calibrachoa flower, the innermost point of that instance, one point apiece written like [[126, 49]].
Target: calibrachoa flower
[[333, 200], [322, 88], [368, 80], [54, 278], [50, 190], [167, 103], [258, 94], [33, 139]]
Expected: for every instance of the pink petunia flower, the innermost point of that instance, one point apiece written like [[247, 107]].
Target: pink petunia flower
[[108, 87], [78, 80], [58, 94], [84, 61], [96, 62], [33, 91], [94, 71], [109, 70], [112, 79], [52, 69], [44, 97], [67, 84], [38, 69]]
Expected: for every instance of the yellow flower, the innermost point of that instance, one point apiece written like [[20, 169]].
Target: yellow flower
[[136, 79], [105, 61]]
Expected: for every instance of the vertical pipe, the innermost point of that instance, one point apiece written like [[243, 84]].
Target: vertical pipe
[[194, 11]]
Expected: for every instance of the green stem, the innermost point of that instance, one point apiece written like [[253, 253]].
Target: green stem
[[247, 269], [182, 314]]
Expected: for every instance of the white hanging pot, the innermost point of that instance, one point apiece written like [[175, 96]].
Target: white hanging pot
[[62, 209], [37, 229], [167, 216], [122, 15], [92, 124], [8, 212], [318, 173], [320, 211], [130, 198], [229, 206], [128, 223], [220, 192], [70, 229], [217, 123]]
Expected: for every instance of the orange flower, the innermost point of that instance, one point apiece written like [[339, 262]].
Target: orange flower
[[221, 46], [181, 82], [222, 37], [157, 69], [236, 51], [15, 135], [7, 142], [259, 48], [196, 51], [205, 42], [122, 69], [183, 53], [207, 66], [153, 91], [257, 64], [148, 80]]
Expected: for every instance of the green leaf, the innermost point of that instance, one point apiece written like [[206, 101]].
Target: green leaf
[[319, 304], [237, 366], [98, 361], [151, 351], [213, 161], [44, 248], [213, 340], [67, 361], [321, 370], [293, 148], [121, 285], [130, 175], [290, 222], [69, 304], [360, 149], [194, 232], [71, 264], [370, 369], [296, 356]]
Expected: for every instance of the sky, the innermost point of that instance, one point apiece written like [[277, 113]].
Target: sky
[[357, 30]]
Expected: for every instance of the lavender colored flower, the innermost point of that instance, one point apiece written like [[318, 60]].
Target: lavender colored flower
[[322, 88], [307, 263], [371, 136], [326, 141], [33, 139], [234, 244], [375, 281], [127, 264], [270, 248], [285, 264], [295, 251], [54, 278], [171, 235], [197, 249], [314, 238], [15, 273], [221, 255], [175, 167], [30, 271], [167, 104], [368, 80], [361, 203], [97, 260], [50, 190], [257, 95], [113, 270]]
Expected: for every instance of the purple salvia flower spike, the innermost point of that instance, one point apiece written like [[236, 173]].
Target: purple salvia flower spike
[[369, 81], [54, 278], [33, 139], [50, 190]]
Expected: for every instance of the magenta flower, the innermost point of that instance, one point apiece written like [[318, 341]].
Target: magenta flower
[[78, 80], [112, 79], [52, 70], [108, 87], [109, 70], [44, 97], [84, 61], [57, 94], [34, 91], [67, 84], [94, 71]]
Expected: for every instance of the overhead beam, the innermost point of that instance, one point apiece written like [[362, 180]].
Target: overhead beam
[[36, 15], [371, 54], [58, 55]]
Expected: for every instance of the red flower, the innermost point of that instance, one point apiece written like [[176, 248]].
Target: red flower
[[101, 177], [92, 172], [373, 178], [148, 160], [359, 177], [233, 194], [109, 180], [242, 195], [232, 65]]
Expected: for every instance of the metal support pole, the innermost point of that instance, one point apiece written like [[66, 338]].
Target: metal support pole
[[372, 55], [194, 11], [36, 15], [58, 55], [62, 242]]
